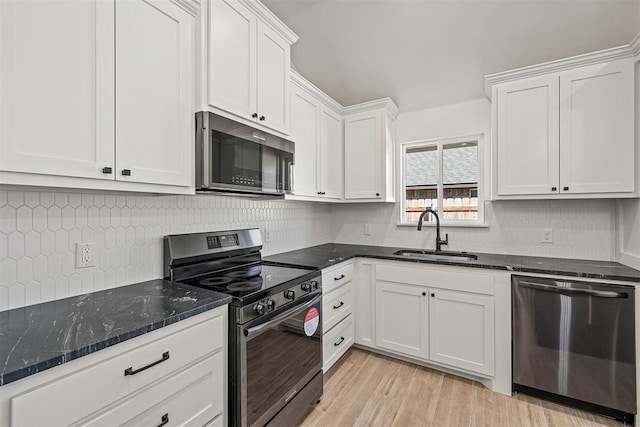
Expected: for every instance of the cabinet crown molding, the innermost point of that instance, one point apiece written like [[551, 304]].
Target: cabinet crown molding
[[635, 46], [271, 19], [305, 84], [386, 103], [192, 7], [627, 51]]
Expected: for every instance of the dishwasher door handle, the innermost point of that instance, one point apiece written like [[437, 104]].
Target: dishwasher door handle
[[573, 291]]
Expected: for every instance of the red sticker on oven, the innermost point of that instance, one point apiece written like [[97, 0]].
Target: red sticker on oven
[[311, 322]]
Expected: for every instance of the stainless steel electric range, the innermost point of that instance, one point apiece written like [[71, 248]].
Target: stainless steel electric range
[[275, 323]]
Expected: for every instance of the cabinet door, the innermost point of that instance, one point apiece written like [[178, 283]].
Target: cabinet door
[[57, 86], [273, 79], [304, 132], [461, 330], [402, 319], [597, 128], [331, 150], [527, 140], [232, 57], [362, 155], [153, 92]]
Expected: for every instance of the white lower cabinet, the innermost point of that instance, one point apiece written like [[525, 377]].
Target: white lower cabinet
[[461, 330], [446, 317], [337, 308], [336, 342], [364, 308], [402, 320], [191, 397], [183, 380]]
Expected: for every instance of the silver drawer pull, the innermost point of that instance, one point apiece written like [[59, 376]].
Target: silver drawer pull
[[131, 371]]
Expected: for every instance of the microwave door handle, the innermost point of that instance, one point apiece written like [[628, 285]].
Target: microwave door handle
[[292, 169], [573, 291], [207, 138], [263, 327]]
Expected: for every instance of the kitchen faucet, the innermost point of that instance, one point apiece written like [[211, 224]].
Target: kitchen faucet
[[439, 241]]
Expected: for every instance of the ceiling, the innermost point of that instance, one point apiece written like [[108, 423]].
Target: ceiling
[[427, 53]]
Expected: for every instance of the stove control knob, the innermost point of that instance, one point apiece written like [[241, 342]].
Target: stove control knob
[[259, 308], [315, 285], [290, 294], [306, 287], [271, 305]]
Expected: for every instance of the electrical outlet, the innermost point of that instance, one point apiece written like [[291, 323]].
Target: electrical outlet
[[84, 255], [267, 235], [367, 229], [547, 235]]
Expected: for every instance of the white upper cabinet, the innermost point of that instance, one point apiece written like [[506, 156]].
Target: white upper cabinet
[[231, 59], [569, 131], [369, 151], [57, 85], [246, 50], [304, 132], [330, 158], [316, 130], [528, 140], [597, 128], [97, 94], [153, 92], [274, 62]]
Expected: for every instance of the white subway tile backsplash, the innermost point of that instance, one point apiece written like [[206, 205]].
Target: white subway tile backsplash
[[39, 231]]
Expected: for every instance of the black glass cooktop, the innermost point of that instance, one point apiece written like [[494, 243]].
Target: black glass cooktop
[[245, 281]]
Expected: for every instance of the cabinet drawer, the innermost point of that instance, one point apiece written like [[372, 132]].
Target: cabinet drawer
[[336, 276], [102, 384], [337, 305], [191, 397], [336, 342]]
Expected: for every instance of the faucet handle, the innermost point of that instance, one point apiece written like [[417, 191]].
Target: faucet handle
[[446, 239]]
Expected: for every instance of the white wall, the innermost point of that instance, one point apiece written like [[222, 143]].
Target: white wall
[[465, 118], [39, 230], [629, 229], [629, 210], [581, 229]]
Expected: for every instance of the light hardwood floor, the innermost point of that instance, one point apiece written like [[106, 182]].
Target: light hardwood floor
[[366, 389]]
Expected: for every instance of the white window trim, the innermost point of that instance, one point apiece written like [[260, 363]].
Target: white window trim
[[440, 142]]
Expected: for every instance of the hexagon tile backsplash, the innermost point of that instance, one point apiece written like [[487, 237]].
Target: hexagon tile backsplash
[[581, 228], [39, 231]]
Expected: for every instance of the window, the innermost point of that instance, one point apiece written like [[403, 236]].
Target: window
[[442, 174]]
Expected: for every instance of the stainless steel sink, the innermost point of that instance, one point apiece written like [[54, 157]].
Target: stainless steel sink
[[436, 255]]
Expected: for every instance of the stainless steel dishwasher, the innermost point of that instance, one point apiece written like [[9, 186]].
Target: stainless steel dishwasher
[[574, 343]]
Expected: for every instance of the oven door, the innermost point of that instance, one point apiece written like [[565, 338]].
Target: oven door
[[277, 358]]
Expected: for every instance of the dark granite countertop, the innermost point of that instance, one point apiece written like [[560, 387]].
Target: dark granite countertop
[[329, 254], [41, 336]]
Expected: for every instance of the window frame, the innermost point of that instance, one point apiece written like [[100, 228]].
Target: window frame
[[439, 143]]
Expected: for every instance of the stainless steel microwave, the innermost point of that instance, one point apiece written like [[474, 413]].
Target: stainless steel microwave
[[237, 159]]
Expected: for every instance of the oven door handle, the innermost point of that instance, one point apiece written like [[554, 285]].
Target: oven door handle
[[257, 330]]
